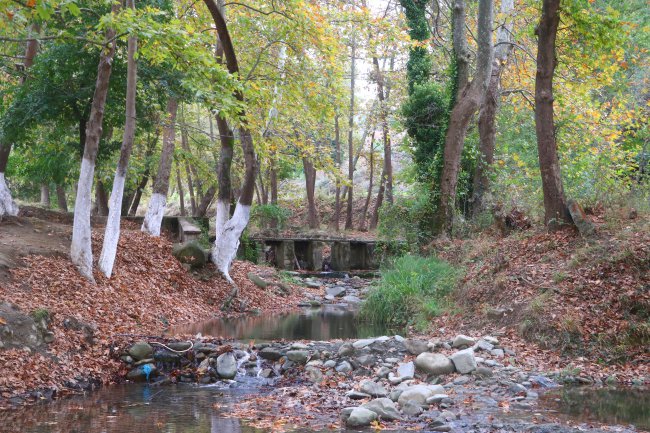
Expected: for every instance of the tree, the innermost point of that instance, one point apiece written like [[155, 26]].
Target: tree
[[81, 251], [556, 211], [468, 102], [348, 219], [112, 231], [489, 107]]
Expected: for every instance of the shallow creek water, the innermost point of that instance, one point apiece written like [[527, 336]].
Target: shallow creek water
[[138, 408]]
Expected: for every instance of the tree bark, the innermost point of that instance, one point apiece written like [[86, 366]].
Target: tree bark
[[101, 198], [145, 177], [7, 204], [112, 230], [362, 225], [81, 249], [489, 108], [60, 198], [45, 195], [228, 234], [348, 219], [189, 171], [462, 54], [202, 208], [556, 211], [465, 107], [158, 201], [336, 219], [181, 192], [383, 115], [374, 219], [310, 186]]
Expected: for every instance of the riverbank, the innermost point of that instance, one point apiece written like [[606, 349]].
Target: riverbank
[[58, 331]]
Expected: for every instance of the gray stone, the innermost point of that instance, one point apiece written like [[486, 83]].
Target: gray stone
[[357, 395], [330, 363], [227, 365], [384, 407], [190, 253], [463, 341], [270, 353], [267, 373], [257, 280], [436, 398], [418, 394], [361, 417], [383, 372], [497, 352], [138, 374], [416, 347], [492, 340], [484, 371], [434, 363], [346, 349], [140, 350], [299, 346], [372, 388], [464, 361], [411, 408], [394, 380], [352, 299], [366, 360], [179, 345], [313, 374], [344, 367], [336, 291], [406, 370], [484, 345], [298, 356]]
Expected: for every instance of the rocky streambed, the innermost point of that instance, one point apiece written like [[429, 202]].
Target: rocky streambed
[[464, 384]]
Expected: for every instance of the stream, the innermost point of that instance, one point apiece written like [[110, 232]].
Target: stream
[[191, 407]]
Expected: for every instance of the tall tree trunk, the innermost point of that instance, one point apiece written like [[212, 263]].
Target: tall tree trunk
[[310, 186], [556, 211], [45, 195], [62, 202], [362, 225], [374, 219], [336, 219], [7, 204], [189, 171], [81, 248], [383, 116], [348, 219], [158, 201], [489, 108], [202, 208], [101, 198], [465, 107], [228, 234], [112, 230], [145, 177], [462, 54], [181, 192]]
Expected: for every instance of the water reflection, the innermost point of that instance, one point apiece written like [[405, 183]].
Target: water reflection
[[611, 406], [326, 323]]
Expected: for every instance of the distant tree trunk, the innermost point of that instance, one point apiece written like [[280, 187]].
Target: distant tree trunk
[[191, 174], [374, 219], [362, 225], [369, 128], [112, 230], [273, 180], [310, 186], [60, 198], [556, 211], [489, 108], [228, 233], [348, 219], [158, 201], [7, 204], [181, 193], [101, 198], [462, 54], [45, 195], [465, 107], [81, 249], [202, 208], [337, 201], [383, 115], [138, 194]]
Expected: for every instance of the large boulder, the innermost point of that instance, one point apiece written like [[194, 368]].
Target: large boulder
[[384, 407], [415, 347], [227, 365], [434, 363], [464, 361], [270, 353], [257, 280], [190, 253], [361, 417], [418, 394], [298, 356], [372, 388], [141, 350], [18, 330], [462, 341]]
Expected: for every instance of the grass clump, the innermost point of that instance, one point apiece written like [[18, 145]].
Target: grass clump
[[411, 291]]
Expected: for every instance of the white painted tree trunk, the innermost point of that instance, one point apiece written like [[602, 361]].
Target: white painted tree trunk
[[112, 231], [7, 204], [155, 212], [81, 251], [227, 243], [223, 213]]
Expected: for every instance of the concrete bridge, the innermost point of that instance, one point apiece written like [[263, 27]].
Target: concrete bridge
[[293, 253]]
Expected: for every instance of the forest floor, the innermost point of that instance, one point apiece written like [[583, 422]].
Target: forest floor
[[72, 325]]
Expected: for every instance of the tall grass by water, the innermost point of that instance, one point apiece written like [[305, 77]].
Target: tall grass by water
[[412, 290]]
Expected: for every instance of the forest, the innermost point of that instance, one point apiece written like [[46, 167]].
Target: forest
[[490, 159]]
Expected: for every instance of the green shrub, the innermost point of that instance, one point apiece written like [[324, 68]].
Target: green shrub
[[267, 214], [410, 292]]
